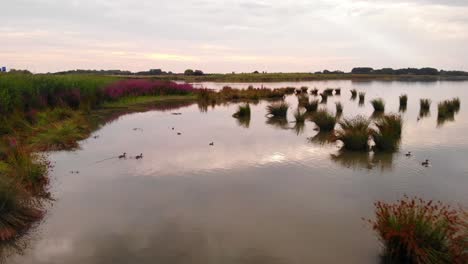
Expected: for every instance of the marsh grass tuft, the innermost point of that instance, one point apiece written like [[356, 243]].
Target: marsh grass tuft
[[338, 91], [354, 133], [388, 133], [304, 89], [425, 105], [324, 98], [242, 111], [314, 92], [403, 101], [353, 94], [328, 91], [300, 116], [447, 110], [311, 106], [339, 108], [378, 104], [413, 230], [303, 99], [362, 96], [324, 120], [277, 109]]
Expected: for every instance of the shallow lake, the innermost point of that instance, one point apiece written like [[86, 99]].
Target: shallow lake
[[263, 193]]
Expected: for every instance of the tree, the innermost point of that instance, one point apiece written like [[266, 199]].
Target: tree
[[362, 70], [198, 73], [188, 72]]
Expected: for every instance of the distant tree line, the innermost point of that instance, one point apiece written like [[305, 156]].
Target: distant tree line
[[407, 71]]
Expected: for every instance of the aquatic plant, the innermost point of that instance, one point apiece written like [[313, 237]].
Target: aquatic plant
[[403, 101], [277, 109], [388, 133], [339, 108], [448, 108], [314, 91], [300, 116], [311, 106], [324, 120], [304, 89], [328, 91], [413, 230], [378, 104], [303, 99], [242, 111], [362, 96], [353, 94], [324, 98], [338, 91], [251, 94], [278, 122], [425, 104], [354, 133]]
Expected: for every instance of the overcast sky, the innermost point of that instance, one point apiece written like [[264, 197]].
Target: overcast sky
[[228, 35]]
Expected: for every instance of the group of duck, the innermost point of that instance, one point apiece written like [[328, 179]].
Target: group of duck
[[124, 156], [424, 163]]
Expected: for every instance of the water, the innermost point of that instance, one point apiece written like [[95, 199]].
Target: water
[[261, 194]]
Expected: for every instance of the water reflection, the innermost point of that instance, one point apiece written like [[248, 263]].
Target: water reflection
[[424, 113], [353, 160], [299, 128], [278, 122], [243, 121], [402, 108], [322, 138]]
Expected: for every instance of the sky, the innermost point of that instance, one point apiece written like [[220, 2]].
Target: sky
[[228, 35]]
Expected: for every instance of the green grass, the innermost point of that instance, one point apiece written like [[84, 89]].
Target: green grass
[[277, 109], [324, 120], [378, 104], [242, 111], [425, 104], [388, 133], [354, 133]]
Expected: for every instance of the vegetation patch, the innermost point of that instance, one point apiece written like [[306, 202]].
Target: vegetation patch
[[277, 110], [242, 111], [339, 108], [378, 104], [353, 94], [311, 106], [403, 101], [324, 120], [416, 231], [388, 133], [425, 105], [354, 133]]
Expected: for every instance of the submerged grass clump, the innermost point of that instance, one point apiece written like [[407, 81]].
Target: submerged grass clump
[[324, 98], [278, 110], [304, 89], [328, 91], [425, 105], [324, 120], [303, 99], [448, 108], [388, 133], [416, 231], [378, 104], [354, 133], [242, 111], [362, 96], [314, 92], [338, 91]]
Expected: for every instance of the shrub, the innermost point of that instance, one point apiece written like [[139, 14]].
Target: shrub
[[242, 111], [418, 231], [388, 133], [277, 109], [425, 104], [378, 104], [354, 133], [324, 120], [311, 106]]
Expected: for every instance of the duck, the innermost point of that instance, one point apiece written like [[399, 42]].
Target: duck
[[425, 163], [178, 133], [123, 156], [409, 154], [172, 128], [139, 156], [212, 144]]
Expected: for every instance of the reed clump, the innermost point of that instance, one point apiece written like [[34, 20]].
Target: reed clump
[[338, 91], [425, 105], [300, 116], [314, 92], [242, 111], [339, 108], [278, 110], [403, 101], [328, 91], [354, 133], [311, 106], [413, 230], [378, 104], [324, 120], [388, 133], [362, 96], [448, 108], [353, 94], [324, 98]]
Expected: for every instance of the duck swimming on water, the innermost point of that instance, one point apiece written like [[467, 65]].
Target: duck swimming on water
[[139, 156], [123, 156], [425, 163], [409, 154]]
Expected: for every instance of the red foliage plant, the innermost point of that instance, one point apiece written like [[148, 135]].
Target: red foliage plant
[[416, 231]]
